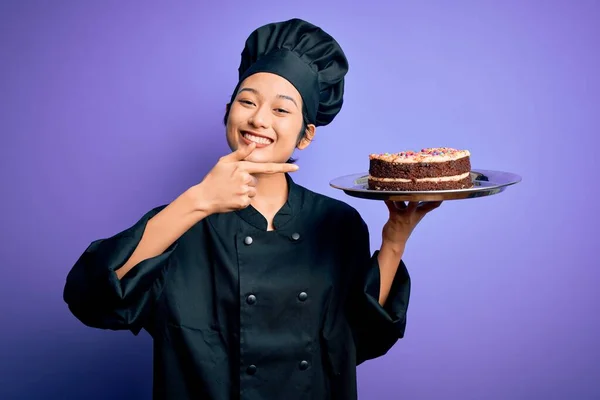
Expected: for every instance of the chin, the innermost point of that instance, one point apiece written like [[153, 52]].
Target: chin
[[257, 158]]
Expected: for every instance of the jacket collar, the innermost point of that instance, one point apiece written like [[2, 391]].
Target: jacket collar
[[291, 208]]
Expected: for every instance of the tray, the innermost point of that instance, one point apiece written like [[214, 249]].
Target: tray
[[485, 183]]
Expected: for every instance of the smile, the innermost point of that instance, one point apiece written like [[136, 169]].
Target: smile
[[249, 137]]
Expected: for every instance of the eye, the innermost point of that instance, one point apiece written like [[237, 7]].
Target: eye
[[281, 110], [248, 102]]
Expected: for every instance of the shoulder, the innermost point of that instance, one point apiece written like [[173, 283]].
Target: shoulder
[[333, 208]]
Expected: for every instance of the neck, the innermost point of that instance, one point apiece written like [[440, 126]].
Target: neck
[[271, 195], [271, 189]]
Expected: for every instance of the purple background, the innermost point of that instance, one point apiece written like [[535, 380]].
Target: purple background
[[110, 108]]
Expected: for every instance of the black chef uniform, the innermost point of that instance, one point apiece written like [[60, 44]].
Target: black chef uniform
[[239, 312]]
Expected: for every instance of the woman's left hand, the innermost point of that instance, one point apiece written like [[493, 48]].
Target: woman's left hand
[[403, 219]]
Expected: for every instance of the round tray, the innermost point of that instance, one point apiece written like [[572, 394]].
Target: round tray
[[485, 183]]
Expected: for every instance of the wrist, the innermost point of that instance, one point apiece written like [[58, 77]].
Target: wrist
[[396, 247], [197, 200]]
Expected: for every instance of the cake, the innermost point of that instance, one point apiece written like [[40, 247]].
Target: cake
[[437, 168]]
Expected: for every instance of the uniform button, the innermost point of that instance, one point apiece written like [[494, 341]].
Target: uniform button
[[248, 240], [251, 299], [303, 365], [295, 236], [251, 370], [302, 296]]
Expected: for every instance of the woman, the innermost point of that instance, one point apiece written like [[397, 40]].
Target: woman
[[252, 286]]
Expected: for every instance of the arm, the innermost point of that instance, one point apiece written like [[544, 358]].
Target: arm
[[379, 296], [163, 230], [117, 280], [388, 258], [381, 293]]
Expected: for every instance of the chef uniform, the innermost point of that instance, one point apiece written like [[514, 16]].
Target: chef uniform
[[239, 312]]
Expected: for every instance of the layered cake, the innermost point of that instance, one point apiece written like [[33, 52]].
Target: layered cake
[[438, 168]]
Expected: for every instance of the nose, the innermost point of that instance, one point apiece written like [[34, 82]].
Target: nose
[[261, 117]]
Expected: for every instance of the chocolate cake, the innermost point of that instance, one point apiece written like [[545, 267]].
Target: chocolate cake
[[438, 168]]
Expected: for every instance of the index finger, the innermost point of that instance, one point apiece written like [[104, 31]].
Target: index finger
[[267, 168]]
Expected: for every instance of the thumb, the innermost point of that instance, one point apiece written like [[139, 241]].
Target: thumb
[[390, 206]]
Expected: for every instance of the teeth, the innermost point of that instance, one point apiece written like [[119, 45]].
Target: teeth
[[257, 139]]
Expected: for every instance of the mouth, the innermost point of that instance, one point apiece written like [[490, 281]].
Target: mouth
[[261, 141]]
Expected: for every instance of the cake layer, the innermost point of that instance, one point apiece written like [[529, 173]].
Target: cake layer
[[431, 154], [425, 169], [462, 181]]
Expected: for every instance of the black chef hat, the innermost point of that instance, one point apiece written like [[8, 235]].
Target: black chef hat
[[305, 55]]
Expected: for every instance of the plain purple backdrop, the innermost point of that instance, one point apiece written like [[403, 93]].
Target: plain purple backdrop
[[110, 108]]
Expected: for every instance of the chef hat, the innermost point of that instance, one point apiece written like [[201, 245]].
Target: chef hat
[[305, 55]]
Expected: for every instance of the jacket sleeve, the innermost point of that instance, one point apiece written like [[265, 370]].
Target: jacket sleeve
[[376, 328], [99, 299]]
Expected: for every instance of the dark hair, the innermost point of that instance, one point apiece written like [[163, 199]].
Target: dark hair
[[301, 135]]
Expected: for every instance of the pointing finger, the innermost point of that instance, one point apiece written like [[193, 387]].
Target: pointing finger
[[241, 153], [267, 168]]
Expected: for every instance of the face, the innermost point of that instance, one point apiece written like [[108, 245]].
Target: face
[[267, 110]]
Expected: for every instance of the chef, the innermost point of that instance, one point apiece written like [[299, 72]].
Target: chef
[[251, 285]]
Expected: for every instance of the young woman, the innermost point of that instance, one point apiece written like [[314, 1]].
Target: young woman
[[252, 286]]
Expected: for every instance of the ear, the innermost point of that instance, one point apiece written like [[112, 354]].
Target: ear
[[308, 137]]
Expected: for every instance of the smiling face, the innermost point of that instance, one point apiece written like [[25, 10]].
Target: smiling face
[[267, 110]]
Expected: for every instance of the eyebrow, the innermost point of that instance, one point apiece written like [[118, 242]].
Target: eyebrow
[[281, 96]]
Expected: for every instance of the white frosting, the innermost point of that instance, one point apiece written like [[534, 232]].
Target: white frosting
[[429, 155], [436, 179]]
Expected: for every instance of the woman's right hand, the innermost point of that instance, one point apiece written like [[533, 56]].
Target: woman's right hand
[[230, 185]]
